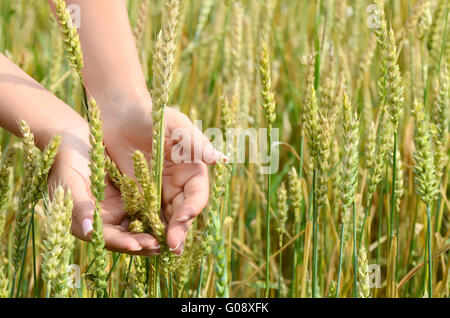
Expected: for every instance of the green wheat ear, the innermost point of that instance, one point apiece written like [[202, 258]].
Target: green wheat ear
[[164, 60], [437, 33], [349, 166], [70, 36], [137, 278], [114, 173], [47, 159], [150, 213], [323, 153], [31, 162], [332, 292], [97, 153], [282, 208], [57, 55], [268, 96], [425, 21], [5, 173], [393, 91], [227, 122], [4, 281], [132, 198], [37, 166], [206, 8], [139, 29], [363, 274], [424, 169], [214, 236], [399, 181], [295, 193], [98, 174], [58, 244], [440, 121], [311, 122]]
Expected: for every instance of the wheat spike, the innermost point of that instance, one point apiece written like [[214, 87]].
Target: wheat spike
[[363, 274], [282, 208], [424, 169], [58, 244], [98, 173], [70, 36], [139, 29], [349, 168]]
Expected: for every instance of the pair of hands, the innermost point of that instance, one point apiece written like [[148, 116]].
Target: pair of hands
[[185, 186]]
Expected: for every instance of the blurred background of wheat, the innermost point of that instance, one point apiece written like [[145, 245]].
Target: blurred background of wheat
[[325, 44]]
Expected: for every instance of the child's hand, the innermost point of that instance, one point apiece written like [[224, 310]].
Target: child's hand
[[72, 168], [22, 98], [185, 186]]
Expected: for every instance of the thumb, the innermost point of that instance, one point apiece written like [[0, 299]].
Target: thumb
[[197, 145]]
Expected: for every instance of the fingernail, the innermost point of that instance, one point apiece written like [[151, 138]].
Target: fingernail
[[136, 249], [184, 219], [86, 226], [176, 247], [220, 155], [156, 247]]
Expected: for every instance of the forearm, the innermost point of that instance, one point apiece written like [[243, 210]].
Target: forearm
[[22, 98], [111, 63]]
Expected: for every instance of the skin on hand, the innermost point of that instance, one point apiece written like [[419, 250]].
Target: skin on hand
[[185, 186], [71, 167], [127, 127], [126, 112]]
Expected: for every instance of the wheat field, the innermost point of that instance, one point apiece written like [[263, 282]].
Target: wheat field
[[353, 96]]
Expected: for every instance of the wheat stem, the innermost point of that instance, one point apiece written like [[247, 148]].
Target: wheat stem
[[355, 255], [315, 238], [430, 262], [341, 247], [269, 178], [393, 192]]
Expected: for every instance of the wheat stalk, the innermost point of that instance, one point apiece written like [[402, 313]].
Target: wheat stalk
[[436, 34], [297, 202], [282, 207], [425, 174], [137, 279], [138, 30], [268, 107], [425, 21], [216, 232], [25, 194], [363, 274], [4, 282], [349, 180], [98, 173], [58, 244], [5, 173], [205, 11], [440, 120]]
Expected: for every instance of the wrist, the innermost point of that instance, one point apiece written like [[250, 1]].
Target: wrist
[[124, 105], [69, 123]]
